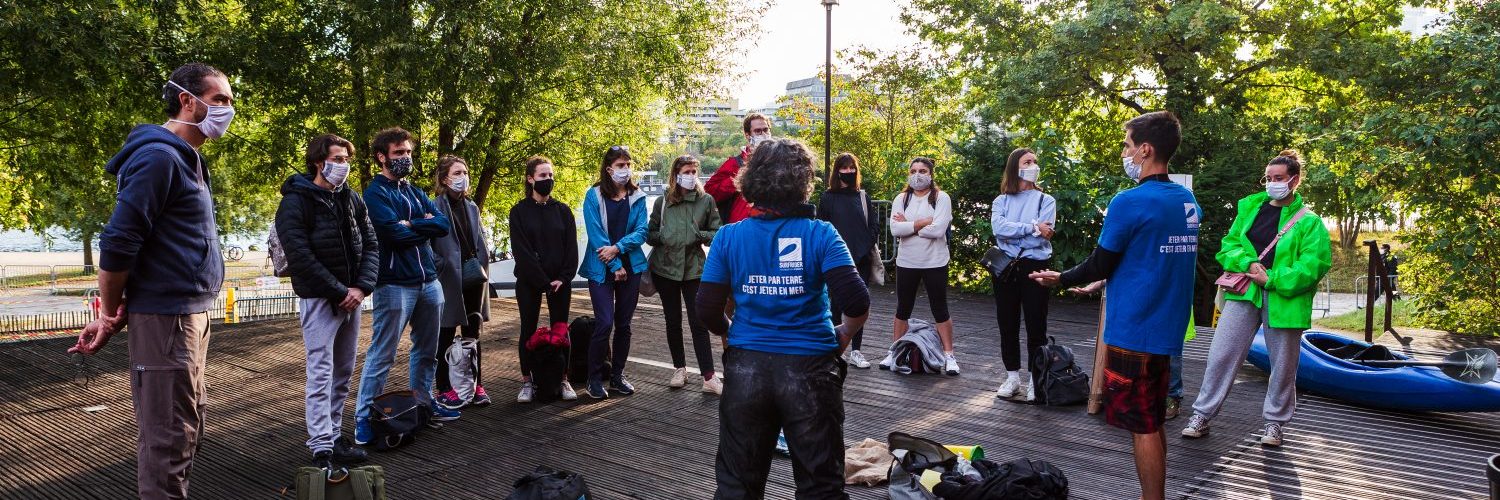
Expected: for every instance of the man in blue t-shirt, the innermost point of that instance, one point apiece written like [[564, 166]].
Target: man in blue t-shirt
[[1147, 249], [782, 367]]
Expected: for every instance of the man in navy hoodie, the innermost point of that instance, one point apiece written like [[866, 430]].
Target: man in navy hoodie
[[160, 271], [407, 290]]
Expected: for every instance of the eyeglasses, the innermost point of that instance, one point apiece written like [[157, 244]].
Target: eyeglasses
[[1280, 178]]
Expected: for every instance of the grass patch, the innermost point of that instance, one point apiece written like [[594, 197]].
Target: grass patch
[[1403, 315]]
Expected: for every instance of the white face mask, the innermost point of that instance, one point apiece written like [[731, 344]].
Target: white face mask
[[620, 175], [1030, 174], [216, 123], [1132, 169], [1279, 190], [687, 181], [335, 173], [459, 183], [919, 182], [755, 140]]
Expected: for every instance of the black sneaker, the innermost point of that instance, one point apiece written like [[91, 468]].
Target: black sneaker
[[323, 460], [345, 452], [332, 469], [618, 384]]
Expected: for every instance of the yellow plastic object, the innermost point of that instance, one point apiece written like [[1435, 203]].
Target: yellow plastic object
[[230, 315], [970, 453], [929, 479]]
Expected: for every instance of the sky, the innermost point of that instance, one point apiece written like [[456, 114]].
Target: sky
[[792, 40]]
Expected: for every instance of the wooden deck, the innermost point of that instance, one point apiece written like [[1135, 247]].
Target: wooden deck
[[660, 442]]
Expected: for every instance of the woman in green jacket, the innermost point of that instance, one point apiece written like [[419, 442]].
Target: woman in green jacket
[[682, 222], [1283, 280]]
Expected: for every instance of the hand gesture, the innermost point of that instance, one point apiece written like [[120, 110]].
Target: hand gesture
[[406, 223], [608, 253], [556, 285], [352, 299], [621, 275], [1045, 230], [898, 217], [1047, 278], [98, 332], [1258, 274], [1090, 289], [923, 222]]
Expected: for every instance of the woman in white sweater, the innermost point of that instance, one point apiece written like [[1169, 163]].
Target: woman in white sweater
[[920, 216]]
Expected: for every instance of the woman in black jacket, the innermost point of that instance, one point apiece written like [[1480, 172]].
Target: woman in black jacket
[[330, 252], [464, 306], [850, 211], [544, 241]]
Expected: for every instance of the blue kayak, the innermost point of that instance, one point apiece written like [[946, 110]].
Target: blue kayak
[[1325, 368]]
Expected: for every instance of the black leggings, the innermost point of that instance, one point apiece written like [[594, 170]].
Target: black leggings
[[863, 267], [1014, 297], [529, 302], [802, 396], [473, 300], [936, 282], [674, 294]]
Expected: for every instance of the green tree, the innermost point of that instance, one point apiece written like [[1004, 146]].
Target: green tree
[[1082, 69]]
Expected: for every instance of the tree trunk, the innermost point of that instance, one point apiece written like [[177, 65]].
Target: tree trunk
[[88, 252]]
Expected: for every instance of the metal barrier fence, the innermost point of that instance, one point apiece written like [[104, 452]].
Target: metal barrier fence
[[1361, 287], [32, 280], [884, 240]]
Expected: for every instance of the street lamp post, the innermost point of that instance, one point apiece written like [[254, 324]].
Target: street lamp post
[[828, 89]]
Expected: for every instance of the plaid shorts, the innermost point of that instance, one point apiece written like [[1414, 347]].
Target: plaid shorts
[[1135, 390]]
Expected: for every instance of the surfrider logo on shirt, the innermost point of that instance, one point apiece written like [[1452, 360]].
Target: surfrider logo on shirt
[[1192, 214], [789, 252]]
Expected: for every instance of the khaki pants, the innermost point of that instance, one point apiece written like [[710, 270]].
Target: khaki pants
[[167, 357]]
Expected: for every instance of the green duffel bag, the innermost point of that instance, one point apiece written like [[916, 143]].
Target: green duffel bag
[[359, 483]]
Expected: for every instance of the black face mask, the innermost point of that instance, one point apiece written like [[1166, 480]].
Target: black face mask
[[400, 167], [848, 179], [542, 187]]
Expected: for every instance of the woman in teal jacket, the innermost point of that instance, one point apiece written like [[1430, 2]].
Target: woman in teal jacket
[[614, 215], [1284, 278]]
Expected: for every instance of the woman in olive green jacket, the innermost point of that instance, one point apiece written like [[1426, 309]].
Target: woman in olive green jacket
[[682, 222], [1283, 280]]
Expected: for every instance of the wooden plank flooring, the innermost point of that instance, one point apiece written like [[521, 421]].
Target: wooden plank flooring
[[660, 443]]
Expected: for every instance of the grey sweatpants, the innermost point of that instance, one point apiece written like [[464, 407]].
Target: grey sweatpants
[[330, 335], [168, 354], [1237, 325]]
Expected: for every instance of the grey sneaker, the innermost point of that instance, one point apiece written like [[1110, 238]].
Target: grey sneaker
[[1272, 434], [1197, 427], [889, 362], [950, 364]]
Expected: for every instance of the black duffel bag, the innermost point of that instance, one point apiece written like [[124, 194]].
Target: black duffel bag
[[547, 484], [395, 418]]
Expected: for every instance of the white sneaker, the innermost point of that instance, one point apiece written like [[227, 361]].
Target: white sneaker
[[714, 385], [679, 378], [889, 362], [525, 395], [950, 366], [1008, 388], [1272, 434], [1030, 392], [567, 392], [1197, 427], [857, 359]]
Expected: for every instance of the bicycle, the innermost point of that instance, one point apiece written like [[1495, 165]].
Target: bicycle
[[234, 253]]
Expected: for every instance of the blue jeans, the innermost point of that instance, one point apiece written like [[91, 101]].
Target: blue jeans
[[395, 306], [1174, 389], [614, 306]]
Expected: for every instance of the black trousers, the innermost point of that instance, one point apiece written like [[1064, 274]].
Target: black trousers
[[529, 301], [1014, 297], [473, 299], [863, 267], [674, 295], [936, 282], [766, 392]]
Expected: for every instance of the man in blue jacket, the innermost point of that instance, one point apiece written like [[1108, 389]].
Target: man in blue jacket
[[407, 290], [159, 260]]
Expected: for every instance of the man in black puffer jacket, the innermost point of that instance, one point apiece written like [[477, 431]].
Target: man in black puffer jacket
[[333, 259]]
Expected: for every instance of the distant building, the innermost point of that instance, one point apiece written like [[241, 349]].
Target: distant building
[[703, 116]]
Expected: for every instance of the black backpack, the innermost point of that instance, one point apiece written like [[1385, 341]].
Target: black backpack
[[581, 335], [396, 417], [1020, 479], [1057, 380], [547, 484]]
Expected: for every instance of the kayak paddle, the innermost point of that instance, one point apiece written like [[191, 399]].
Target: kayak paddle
[[1475, 366]]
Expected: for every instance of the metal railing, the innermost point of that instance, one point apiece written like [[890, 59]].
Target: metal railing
[[884, 240], [22, 279], [1360, 285]]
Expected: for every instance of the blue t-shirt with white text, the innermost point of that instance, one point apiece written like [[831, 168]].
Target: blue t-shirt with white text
[[1154, 226], [774, 268]]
